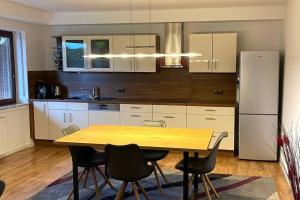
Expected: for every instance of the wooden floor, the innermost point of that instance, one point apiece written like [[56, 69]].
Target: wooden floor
[[30, 170]]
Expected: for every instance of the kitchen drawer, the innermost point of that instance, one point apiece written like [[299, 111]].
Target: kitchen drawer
[[104, 117], [169, 109], [137, 108], [216, 122], [226, 144], [204, 110], [134, 119], [78, 106], [57, 105], [172, 120]]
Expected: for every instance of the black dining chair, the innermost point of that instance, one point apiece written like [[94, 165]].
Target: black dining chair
[[126, 163], [204, 165], [155, 155], [90, 160], [2, 187]]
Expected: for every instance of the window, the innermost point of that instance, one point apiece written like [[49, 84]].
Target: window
[[7, 69]]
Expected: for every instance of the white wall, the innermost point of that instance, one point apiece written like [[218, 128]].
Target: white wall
[[291, 100], [35, 41]]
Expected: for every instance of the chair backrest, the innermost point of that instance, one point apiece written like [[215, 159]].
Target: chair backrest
[[149, 123], [2, 187], [70, 130], [125, 162], [80, 151], [212, 157]]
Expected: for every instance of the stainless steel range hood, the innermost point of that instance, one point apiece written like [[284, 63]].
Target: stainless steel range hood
[[173, 44]]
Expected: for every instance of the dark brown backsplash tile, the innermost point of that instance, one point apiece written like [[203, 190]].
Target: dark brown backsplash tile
[[165, 84]]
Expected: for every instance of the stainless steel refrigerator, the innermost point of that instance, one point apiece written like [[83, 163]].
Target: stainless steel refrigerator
[[258, 105]]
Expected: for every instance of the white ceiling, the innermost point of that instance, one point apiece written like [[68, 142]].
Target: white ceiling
[[115, 5]]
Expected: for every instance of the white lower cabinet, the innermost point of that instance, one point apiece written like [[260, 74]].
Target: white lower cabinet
[[62, 115], [14, 129], [58, 119], [171, 120], [104, 117], [219, 119], [41, 126], [134, 118], [3, 135]]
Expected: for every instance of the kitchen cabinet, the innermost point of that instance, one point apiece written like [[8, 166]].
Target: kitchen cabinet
[[100, 45], [63, 114], [135, 114], [73, 50], [220, 119], [218, 52], [135, 44], [3, 135], [147, 64], [104, 117], [41, 120], [14, 129], [121, 45], [174, 116], [58, 119]]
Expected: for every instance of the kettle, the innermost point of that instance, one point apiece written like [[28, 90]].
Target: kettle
[[57, 91]]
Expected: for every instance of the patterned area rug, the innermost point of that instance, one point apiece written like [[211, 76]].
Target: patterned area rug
[[228, 186]]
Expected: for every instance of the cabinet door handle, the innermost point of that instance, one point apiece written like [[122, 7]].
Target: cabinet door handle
[[135, 107], [169, 117], [70, 118], [135, 115], [65, 117], [209, 118], [211, 110], [208, 64]]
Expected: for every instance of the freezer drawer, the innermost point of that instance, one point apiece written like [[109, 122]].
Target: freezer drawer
[[258, 137]]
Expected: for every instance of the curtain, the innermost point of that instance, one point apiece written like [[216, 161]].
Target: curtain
[[5, 69]]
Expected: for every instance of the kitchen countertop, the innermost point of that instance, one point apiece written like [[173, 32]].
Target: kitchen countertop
[[186, 102]]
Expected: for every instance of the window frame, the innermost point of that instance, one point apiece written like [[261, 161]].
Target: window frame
[[12, 100]]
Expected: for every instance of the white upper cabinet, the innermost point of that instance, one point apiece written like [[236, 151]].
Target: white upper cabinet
[[224, 52], [201, 43], [100, 45], [218, 52], [73, 49], [76, 47], [147, 64], [122, 44]]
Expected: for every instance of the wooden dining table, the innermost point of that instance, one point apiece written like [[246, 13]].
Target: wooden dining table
[[184, 140]]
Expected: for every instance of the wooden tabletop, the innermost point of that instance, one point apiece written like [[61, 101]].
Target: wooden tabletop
[[179, 139]]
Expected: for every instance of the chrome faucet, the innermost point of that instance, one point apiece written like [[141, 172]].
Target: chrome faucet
[[94, 91]]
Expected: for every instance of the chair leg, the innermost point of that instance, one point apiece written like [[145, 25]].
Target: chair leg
[[211, 186], [161, 172], [121, 191], [107, 181], [80, 177], [156, 177], [135, 190], [191, 180], [142, 189], [96, 184], [205, 187], [86, 177]]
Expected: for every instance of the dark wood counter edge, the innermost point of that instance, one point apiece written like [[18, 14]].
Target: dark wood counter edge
[[144, 101]]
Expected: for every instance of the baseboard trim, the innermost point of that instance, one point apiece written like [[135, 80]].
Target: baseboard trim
[[17, 149]]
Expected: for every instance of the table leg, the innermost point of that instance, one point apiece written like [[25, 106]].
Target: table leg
[[75, 177], [196, 178], [185, 176]]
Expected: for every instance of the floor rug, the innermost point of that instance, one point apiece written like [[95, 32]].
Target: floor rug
[[228, 186]]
